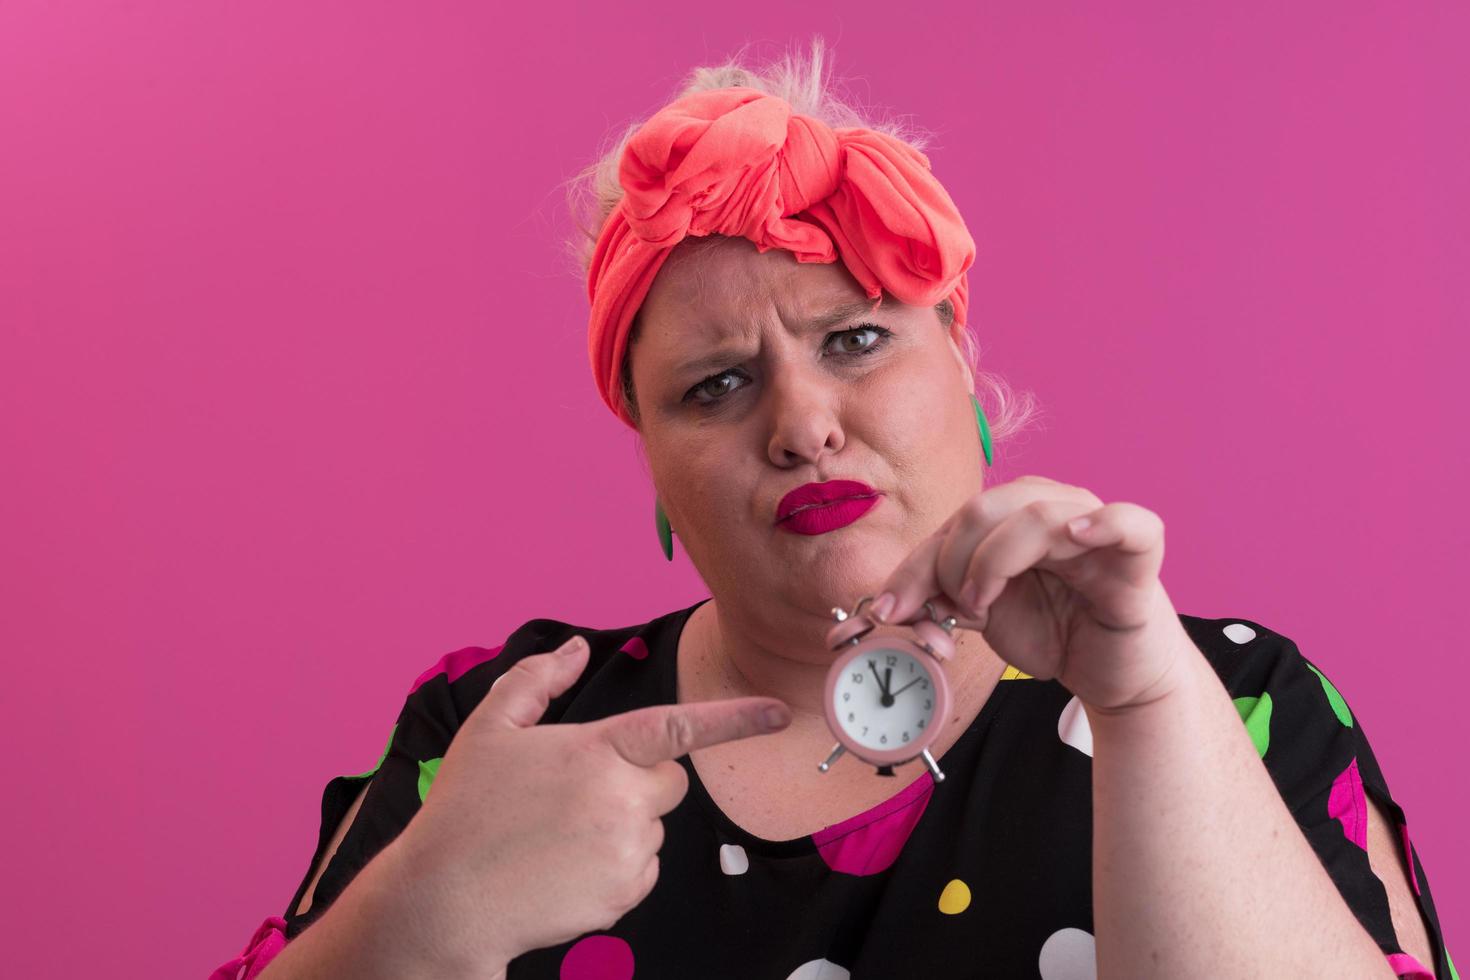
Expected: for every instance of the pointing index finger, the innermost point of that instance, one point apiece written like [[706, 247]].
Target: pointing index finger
[[648, 736]]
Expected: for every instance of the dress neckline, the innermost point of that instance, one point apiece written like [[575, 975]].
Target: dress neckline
[[798, 846]]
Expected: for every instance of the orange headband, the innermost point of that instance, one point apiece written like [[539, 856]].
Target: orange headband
[[735, 161]]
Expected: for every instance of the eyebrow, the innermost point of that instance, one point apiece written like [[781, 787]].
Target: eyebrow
[[831, 318]]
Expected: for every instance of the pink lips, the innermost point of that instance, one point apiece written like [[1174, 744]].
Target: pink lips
[[817, 508]]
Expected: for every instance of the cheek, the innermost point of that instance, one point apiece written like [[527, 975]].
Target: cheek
[[899, 409], [911, 424], [704, 475]]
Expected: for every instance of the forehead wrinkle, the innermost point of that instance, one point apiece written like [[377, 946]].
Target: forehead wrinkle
[[747, 305], [719, 310], [699, 293], [713, 304], [725, 347]]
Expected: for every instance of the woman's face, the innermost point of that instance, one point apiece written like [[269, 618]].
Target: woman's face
[[745, 392]]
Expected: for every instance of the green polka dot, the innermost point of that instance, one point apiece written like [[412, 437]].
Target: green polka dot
[[427, 772], [374, 770], [1256, 713], [1339, 706], [1454, 974]]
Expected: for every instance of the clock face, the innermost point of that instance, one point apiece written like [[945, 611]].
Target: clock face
[[884, 699]]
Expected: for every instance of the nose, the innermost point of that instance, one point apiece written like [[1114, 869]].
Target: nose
[[805, 419]]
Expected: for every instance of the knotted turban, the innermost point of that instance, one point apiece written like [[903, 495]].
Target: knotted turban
[[735, 161]]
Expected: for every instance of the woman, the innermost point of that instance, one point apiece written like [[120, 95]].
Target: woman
[[779, 312]]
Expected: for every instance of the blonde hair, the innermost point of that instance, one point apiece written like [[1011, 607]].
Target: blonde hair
[[803, 81]]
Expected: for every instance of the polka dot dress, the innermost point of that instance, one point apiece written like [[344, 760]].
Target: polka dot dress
[[985, 875]]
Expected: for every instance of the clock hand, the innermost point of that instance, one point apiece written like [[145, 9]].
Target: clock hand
[[885, 699], [906, 686]]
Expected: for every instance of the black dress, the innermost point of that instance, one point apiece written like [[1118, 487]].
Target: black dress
[[985, 874]]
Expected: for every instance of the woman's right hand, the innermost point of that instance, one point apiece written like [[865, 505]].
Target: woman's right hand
[[534, 834]]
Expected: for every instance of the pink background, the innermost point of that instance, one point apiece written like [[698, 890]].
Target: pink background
[[296, 398]]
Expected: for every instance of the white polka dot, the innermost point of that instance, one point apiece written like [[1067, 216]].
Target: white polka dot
[[819, 970], [1068, 954], [1073, 728], [733, 859], [1240, 633]]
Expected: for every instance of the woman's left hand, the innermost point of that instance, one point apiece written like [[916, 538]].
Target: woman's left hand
[[1085, 608]]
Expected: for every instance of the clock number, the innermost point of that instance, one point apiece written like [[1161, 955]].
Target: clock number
[[921, 723], [847, 695], [928, 704], [865, 729], [884, 739], [905, 736], [892, 661], [857, 678], [851, 716]]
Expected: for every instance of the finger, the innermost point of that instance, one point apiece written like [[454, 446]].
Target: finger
[[666, 731], [1034, 534], [980, 515], [914, 580], [657, 833], [670, 784], [937, 567], [520, 696], [648, 880], [1129, 543]]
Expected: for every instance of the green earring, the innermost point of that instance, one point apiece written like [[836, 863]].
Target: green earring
[[665, 533], [984, 428]]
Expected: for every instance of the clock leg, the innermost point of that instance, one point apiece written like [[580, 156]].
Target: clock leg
[[837, 751], [933, 767]]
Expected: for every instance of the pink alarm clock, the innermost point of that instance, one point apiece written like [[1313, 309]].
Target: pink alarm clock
[[887, 696]]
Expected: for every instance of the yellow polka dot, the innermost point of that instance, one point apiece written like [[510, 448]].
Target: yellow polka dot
[[955, 898], [1012, 674]]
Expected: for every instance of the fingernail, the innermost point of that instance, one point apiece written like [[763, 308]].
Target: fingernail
[[573, 646], [883, 605], [776, 717]]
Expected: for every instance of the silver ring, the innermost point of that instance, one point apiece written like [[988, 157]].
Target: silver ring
[[948, 623], [851, 640]]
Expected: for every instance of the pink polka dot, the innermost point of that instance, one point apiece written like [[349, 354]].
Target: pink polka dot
[[870, 842], [1346, 803], [456, 664], [1406, 966], [598, 958], [635, 648]]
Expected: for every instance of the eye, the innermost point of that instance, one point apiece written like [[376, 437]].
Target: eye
[[712, 384], [882, 336], [716, 385]]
